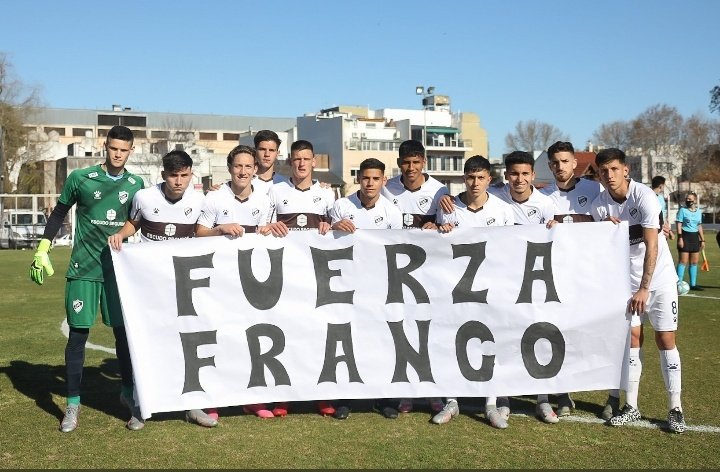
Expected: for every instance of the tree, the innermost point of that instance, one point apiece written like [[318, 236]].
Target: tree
[[697, 134], [615, 134], [17, 102], [715, 99], [658, 129], [533, 135]]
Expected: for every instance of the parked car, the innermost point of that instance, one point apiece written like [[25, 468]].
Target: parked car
[[21, 228], [64, 240]]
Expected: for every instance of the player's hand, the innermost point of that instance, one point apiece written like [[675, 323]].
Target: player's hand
[[278, 229], [323, 227], [41, 263], [614, 219], [681, 243], [231, 229], [115, 241], [429, 225], [447, 204], [550, 223], [446, 228], [344, 225], [263, 230], [638, 302], [667, 231]]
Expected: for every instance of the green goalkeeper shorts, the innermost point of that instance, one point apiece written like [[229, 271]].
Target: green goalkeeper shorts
[[82, 298]]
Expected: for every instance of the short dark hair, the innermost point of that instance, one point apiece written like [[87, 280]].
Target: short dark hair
[[657, 181], [476, 164], [609, 154], [266, 135], [411, 148], [120, 132], [175, 161], [372, 163], [241, 149], [301, 145], [560, 146], [519, 157]]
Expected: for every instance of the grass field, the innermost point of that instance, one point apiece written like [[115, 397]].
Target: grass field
[[32, 403]]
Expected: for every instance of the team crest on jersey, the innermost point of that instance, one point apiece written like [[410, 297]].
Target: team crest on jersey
[[531, 212], [255, 212], [424, 203], [77, 305], [97, 194], [131, 180], [407, 219], [170, 229], [111, 215], [188, 211], [316, 199], [582, 200], [378, 220], [92, 175], [634, 212], [123, 196], [302, 221], [489, 221]]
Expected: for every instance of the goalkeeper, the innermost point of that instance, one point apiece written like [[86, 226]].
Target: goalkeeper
[[103, 194]]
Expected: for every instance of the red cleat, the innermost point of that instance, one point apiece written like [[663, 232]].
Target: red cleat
[[259, 410], [212, 413], [325, 408], [281, 409]]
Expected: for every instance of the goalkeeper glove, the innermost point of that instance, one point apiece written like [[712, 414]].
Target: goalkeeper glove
[[41, 263]]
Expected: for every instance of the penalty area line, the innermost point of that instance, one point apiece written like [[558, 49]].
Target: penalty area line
[[65, 329]]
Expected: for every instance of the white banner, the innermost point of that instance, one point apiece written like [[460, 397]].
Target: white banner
[[518, 310]]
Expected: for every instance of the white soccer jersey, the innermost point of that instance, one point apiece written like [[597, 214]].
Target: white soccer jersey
[[417, 206], [494, 212], [641, 210], [573, 204], [537, 209], [382, 215], [301, 209], [222, 207], [161, 219], [263, 186]]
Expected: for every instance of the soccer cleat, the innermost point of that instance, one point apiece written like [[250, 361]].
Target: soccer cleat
[[436, 405], [628, 414], [342, 412], [676, 421], [281, 409], [696, 288], [325, 408], [565, 405], [259, 409], [448, 412], [545, 412], [212, 413], [201, 418], [504, 407], [405, 405], [70, 420], [136, 421], [386, 410], [495, 418], [612, 408]]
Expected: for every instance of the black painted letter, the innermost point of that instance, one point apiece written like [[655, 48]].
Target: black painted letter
[[259, 361], [190, 343], [535, 332], [184, 284], [463, 291], [339, 333], [323, 274], [468, 331], [405, 354], [535, 250], [398, 277], [261, 295]]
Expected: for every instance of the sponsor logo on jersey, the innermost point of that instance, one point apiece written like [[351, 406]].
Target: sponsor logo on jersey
[[97, 194], [302, 221], [285, 202], [424, 203], [170, 229], [111, 215], [408, 219], [567, 219], [77, 305], [582, 200], [395, 201], [156, 211], [634, 212], [123, 196], [92, 175], [188, 211], [490, 221], [225, 213], [352, 217], [131, 180]]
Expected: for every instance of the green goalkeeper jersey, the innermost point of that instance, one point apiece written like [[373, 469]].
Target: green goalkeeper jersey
[[103, 206]]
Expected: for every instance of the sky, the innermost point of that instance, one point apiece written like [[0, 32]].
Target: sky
[[574, 64]]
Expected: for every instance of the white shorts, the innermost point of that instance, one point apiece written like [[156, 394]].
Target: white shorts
[[661, 310]]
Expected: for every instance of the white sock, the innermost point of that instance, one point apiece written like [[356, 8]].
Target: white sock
[[451, 399], [490, 403], [542, 398], [634, 373], [670, 368]]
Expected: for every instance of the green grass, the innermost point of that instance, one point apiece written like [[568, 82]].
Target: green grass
[[32, 401]]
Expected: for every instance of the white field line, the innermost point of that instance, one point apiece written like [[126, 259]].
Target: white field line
[[700, 296], [573, 418]]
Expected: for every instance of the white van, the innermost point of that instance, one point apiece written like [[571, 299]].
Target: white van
[[21, 228]]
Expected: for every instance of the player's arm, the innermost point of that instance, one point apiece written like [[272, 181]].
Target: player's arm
[[229, 229], [639, 299], [447, 203], [129, 228], [41, 260], [337, 220], [678, 229]]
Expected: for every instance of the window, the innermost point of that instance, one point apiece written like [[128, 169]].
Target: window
[[231, 136], [139, 133], [125, 120], [208, 136], [160, 134], [80, 132], [60, 131], [354, 173], [102, 132], [370, 125]]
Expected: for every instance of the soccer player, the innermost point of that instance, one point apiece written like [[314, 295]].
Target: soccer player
[[417, 196], [529, 207], [365, 209], [473, 208], [301, 204], [691, 239], [652, 278], [267, 145], [571, 197], [166, 211], [103, 194]]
